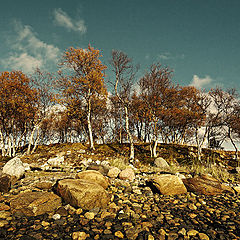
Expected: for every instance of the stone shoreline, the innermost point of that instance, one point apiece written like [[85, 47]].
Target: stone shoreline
[[134, 212], [137, 203]]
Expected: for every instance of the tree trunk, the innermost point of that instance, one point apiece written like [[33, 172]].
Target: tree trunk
[[13, 146], [9, 151], [120, 130], [20, 141], [200, 143], [234, 145], [31, 139], [36, 141], [151, 149], [146, 133], [199, 148], [199, 153], [155, 148], [2, 143], [90, 125], [154, 142], [129, 134], [120, 136]]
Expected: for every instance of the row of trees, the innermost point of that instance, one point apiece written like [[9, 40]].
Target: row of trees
[[74, 105]]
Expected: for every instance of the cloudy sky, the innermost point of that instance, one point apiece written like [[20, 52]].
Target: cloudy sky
[[199, 40]]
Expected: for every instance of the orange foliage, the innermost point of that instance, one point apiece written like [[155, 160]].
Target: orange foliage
[[18, 99], [82, 88]]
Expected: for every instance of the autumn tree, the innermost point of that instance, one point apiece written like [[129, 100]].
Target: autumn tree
[[140, 116], [125, 72], [81, 78], [155, 87], [101, 120], [178, 114], [18, 107], [114, 127]]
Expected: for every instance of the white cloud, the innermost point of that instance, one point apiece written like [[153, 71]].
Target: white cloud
[[201, 82], [24, 62], [62, 19], [27, 51], [168, 56], [164, 56]]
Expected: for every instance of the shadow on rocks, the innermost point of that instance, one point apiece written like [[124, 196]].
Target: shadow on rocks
[[152, 187]]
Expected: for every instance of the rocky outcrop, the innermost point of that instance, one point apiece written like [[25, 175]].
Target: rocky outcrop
[[35, 203], [127, 174], [93, 176], [134, 212], [205, 184], [14, 167], [82, 193], [168, 184]]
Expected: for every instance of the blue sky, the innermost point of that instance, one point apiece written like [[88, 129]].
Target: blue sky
[[199, 40]]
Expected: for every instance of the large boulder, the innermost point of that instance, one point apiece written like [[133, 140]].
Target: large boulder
[[83, 194], [127, 174], [14, 167], [93, 176], [168, 184], [161, 163], [205, 184], [35, 203]]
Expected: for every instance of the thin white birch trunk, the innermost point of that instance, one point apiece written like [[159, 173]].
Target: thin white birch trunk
[[154, 142], [31, 139], [13, 146], [129, 134], [9, 151], [2, 143], [36, 141], [155, 148], [90, 125], [200, 144]]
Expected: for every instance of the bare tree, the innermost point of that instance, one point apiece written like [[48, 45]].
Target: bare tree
[[42, 82], [227, 107], [125, 73]]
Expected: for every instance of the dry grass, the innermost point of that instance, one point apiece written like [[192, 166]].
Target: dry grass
[[117, 155], [216, 171], [219, 172], [119, 162], [175, 169]]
